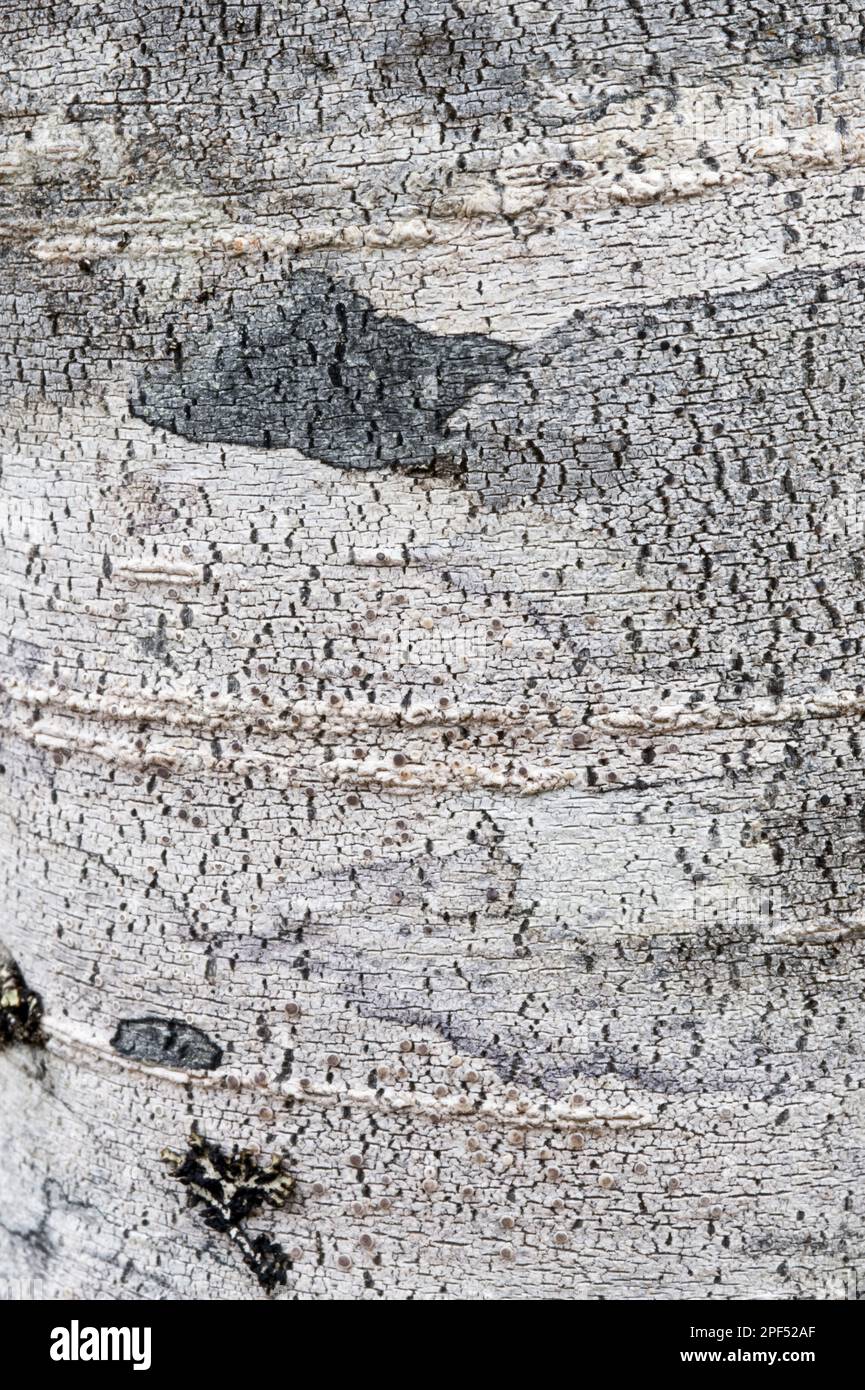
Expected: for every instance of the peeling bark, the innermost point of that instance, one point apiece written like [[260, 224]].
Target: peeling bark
[[431, 633]]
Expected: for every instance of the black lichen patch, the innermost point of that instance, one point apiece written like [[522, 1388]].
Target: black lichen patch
[[321, 371], [20, 1008], [229, 1188], [167, 1042]]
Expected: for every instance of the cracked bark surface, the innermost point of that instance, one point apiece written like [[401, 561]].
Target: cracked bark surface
[[431, 692]]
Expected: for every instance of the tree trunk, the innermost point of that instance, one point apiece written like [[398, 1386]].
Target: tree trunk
[[432, 622]]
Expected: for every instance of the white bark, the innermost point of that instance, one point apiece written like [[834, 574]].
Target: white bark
[[432, 628]]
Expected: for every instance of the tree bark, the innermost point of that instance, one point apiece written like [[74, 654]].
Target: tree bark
[[432, 623]]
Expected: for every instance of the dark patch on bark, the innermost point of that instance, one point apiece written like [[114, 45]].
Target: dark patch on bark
[[168, 1042], [812, 826], [155, 644], [228, 1188], [697, 400], [535, 1024], [20, 1008], [321, 371]]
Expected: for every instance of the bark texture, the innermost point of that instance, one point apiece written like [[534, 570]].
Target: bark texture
[[433, 831]]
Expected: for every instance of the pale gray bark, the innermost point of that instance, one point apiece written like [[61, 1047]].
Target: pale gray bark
[[432, 622]]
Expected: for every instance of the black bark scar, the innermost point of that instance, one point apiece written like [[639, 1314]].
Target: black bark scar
[[321, 371], [168, 1042]]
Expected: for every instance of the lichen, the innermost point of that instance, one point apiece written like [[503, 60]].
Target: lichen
[[20, 1008], [230, 1187]]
